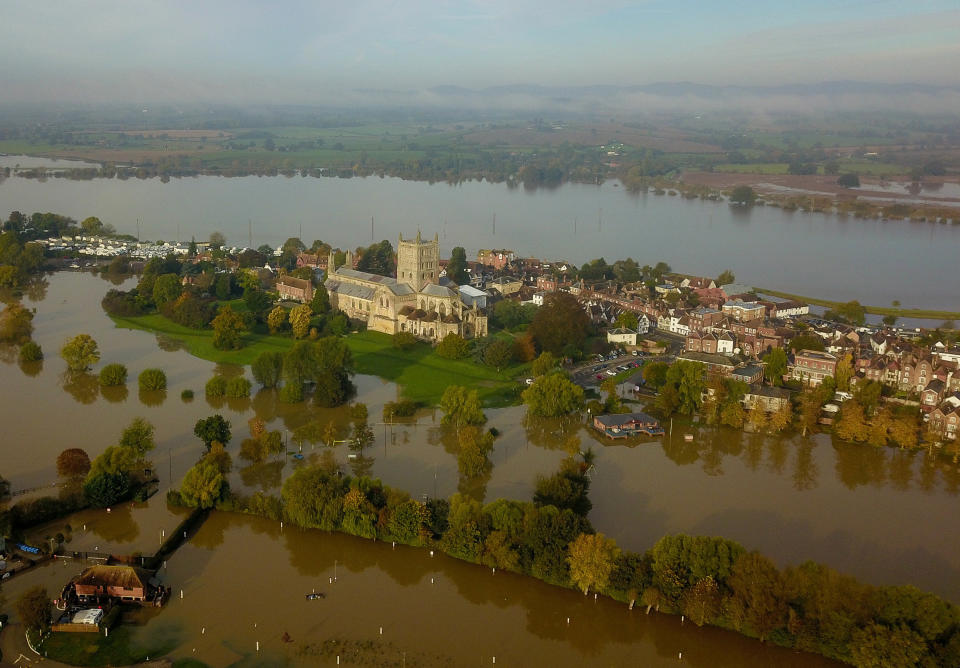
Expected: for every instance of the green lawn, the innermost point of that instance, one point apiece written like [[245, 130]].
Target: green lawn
[[123, 647], [421, 374]]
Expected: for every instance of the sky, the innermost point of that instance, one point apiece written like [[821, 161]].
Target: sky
[[239, 50]]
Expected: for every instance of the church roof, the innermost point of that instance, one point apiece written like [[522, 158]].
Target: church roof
[[400, 289], [434, 290], [365, 276], [351, 290]]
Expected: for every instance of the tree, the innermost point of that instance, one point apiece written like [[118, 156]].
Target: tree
[[404, 340], [561, 321], [776, 366], [498, 353], [655, 374], [73, 463], [903, 431], [591, 558], [217, 239], [457, 267], [203, 485], [16, 324], [213, 428], [879, 646], [686, 378], [806, 342], [461, 407], [844, 372], [216, 387], [726, 278], [332, 366], [267, 369], [320, 304], [80, 352], [544, 364], [228, 329], [702, 602], [890, 320], [567, 489], [138, 437], [553, 395], [627, 320], [166, 288], [300, 320], [743, 195], [453, 347], [113, 375], [475, 446], [757, 586], [277, 319], [852, 425], [849, 181], [151, 380], [34, 609], [106, 489]]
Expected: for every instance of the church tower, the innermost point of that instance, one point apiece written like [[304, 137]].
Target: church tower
[[418, 262]]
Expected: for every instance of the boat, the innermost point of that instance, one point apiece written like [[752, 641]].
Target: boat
[[688, 438], [315, 595]]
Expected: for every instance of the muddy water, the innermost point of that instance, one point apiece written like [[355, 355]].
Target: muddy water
[[244, 580], [880, 514]]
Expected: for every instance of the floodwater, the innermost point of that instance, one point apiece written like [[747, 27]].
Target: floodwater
[[883, 515], [828, 256], [29, 161], [244, 582]]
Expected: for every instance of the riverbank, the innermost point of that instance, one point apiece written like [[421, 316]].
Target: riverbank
[[918, 313]]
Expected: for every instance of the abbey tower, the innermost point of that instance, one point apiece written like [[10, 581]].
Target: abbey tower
[[418, 262]]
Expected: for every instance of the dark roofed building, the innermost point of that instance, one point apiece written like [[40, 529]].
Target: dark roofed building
[[119, 582], [297, 289], [627, 424]]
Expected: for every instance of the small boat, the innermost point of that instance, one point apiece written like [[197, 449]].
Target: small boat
[[298, 456], [315, 595]]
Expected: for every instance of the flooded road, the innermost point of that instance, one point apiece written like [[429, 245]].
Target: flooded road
[[882, 515]]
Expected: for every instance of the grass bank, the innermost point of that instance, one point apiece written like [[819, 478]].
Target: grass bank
[[421, 374], [929, 314]]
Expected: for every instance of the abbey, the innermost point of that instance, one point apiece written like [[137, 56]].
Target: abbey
[[415, 301]]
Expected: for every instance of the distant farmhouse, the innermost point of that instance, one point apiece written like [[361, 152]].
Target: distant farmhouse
[[414, 301]]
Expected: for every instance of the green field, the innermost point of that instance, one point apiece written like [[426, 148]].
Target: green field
[[421, 374], [123, 647], [753, 168]]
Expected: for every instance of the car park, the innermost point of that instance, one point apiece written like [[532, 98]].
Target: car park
[[611, 372]]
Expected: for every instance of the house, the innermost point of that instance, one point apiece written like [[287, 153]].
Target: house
[[626, 425], [124, 583], [790, 308], [538, 298], [944, 421], [643, 324], [750, 374], [704, 317], [771, 399], [622, 335], [498, 259], [720, 364], [932, 394], [697, 283], [296, 289], [742, 311], [506, 285], [812, 366]]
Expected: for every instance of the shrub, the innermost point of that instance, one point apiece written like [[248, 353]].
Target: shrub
[[152, 379], [113, 375], [187, 395], [105, 489], [216, 387], [404, 340], [30, 352], [402, 408], [238, 388], [453, 347]]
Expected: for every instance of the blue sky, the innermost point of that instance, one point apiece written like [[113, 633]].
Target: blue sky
[[293, 51]]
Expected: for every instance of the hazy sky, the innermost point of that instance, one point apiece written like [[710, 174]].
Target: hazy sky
[[306, 51]]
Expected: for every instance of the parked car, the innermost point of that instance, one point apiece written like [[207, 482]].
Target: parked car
[[529, 381], [599, 376], [611, 372]]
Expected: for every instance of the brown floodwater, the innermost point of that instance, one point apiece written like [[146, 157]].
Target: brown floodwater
[[244, 582], [883, 515]]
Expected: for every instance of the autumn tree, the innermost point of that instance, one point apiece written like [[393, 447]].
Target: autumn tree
[[267, 369], [138, 437], [204, 485], [544, 364], [591, 559], [73, 463], [498, 353], [80, 352], [475, 446], [852, 424], [776, 366], [228, 329], [34, 609], [300, 320], [757, 587], [702, 601], [16, 324], [277, 319]]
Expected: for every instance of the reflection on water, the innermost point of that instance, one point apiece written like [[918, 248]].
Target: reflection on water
[[83, 386]]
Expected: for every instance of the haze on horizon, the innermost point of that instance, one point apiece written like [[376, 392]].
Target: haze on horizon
[[104, 51]]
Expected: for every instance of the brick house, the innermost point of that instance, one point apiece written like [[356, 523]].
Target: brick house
[[719, 364], [498, 259], [703, 318], [932, 394], [811, 366], [742, 311], [750, 374], [627, 424], [125, 583], [296, 289], [771, 399]]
